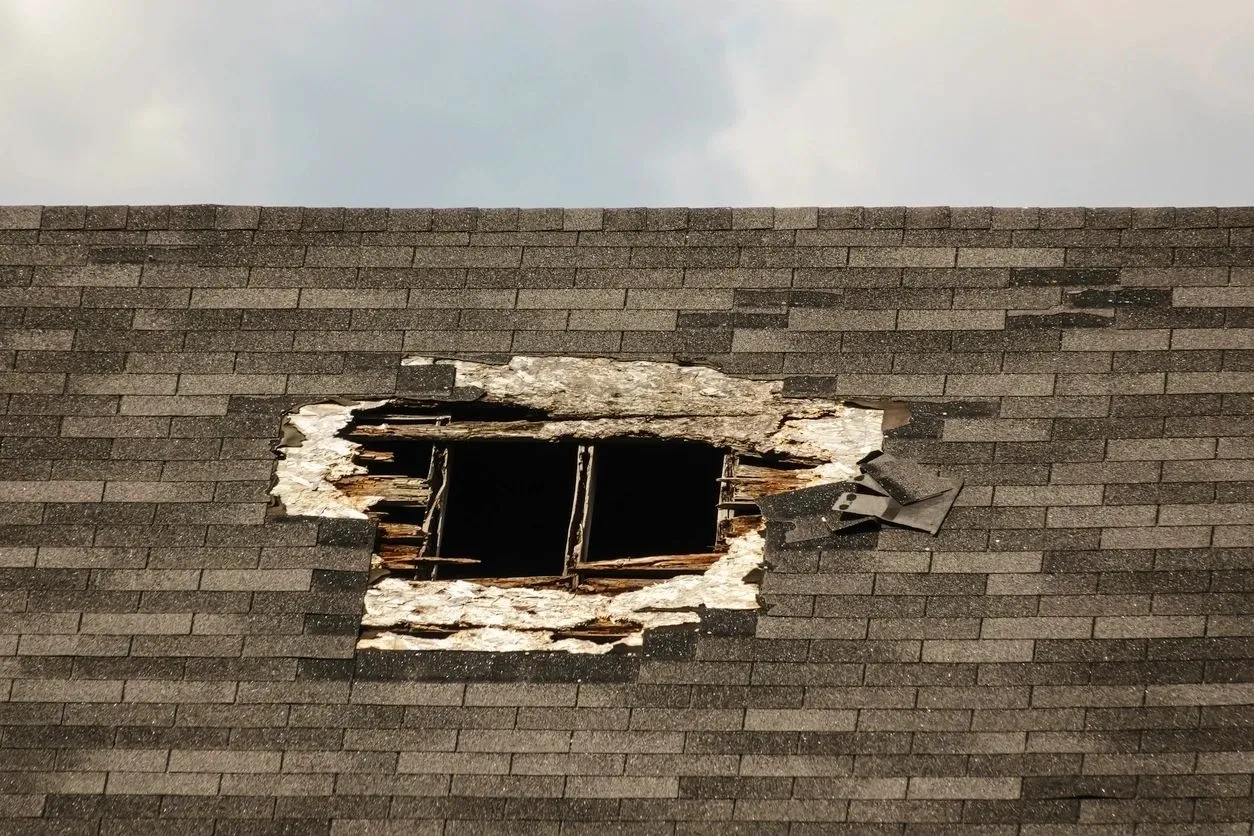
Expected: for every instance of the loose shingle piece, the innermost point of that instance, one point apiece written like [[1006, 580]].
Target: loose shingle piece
[[888, 489], [926, 515], [807, 529], [804, 502], [905, 481]]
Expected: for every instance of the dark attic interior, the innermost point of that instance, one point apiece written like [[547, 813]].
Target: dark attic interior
[[470, 490]]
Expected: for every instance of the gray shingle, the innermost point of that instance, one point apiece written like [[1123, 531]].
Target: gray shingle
[[1099, 544]]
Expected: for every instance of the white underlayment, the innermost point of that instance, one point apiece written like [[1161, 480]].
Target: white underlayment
[[598, 398], [306, 473]]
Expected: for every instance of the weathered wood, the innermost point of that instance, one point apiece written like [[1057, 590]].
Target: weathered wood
[[421, 631], [737, 526], [409, 418], [601, 631], [445, 432], [412, 560], [433, 520], [536, 582], [581, 510], [670, 564], [408, 489], [613, 586], [401, 531], [758, 477]]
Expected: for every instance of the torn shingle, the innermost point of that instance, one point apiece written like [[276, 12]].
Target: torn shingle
[[928, 514], [805, 529], [903, 480], [804, 502]]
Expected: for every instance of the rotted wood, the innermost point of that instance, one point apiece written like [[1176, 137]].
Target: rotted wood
[[613, 586], [753, 478], [450, 432], [537, 582], [726, 498], [409, 418], [580, 513], [407, 489], [668, 565], [401, 533], [603, 631], [433, 522], [737, 526], [402, 562], [419, 631]]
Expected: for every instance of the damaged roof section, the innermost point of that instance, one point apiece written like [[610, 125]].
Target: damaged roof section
[[401, 461]]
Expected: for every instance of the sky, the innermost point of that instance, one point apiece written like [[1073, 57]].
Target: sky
[[627, 102]]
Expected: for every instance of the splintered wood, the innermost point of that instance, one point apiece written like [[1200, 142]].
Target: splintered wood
[[407, 508], [390, 460]]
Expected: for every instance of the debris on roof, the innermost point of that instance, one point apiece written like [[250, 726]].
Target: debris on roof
[[888, 489]]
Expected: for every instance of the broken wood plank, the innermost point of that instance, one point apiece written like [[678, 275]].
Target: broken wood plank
[[737, 526], [613, 586], [401, 531], [433, 520], [670, 564], [537, 582], [755, 477], [391, 561], [408, 418], [421, 631], [581, 510], [409, 489], [469, 429]]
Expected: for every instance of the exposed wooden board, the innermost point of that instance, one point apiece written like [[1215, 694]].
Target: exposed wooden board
[[410, 418], [535, 582], [738, 526], [401, 531], [433, 522], [613, 586], [581, 510], [391, 560], [671, 564], [407, 489], [754, 476], [464, 430], [429, 631], [717, 430]]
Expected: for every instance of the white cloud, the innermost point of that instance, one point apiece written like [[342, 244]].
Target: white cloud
[[626, 102], [101, 105], [1010, 102]]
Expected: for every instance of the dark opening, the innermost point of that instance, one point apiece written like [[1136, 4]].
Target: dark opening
[[508, 505], [654, 498], [411, 457]]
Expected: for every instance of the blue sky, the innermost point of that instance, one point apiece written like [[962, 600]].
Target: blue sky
[[627, 102]]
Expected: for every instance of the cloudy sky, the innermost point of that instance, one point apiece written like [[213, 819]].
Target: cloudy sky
[[627, 102]]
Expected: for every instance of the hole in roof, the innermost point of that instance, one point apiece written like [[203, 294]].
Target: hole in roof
[[508, 506], [654, 498]]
